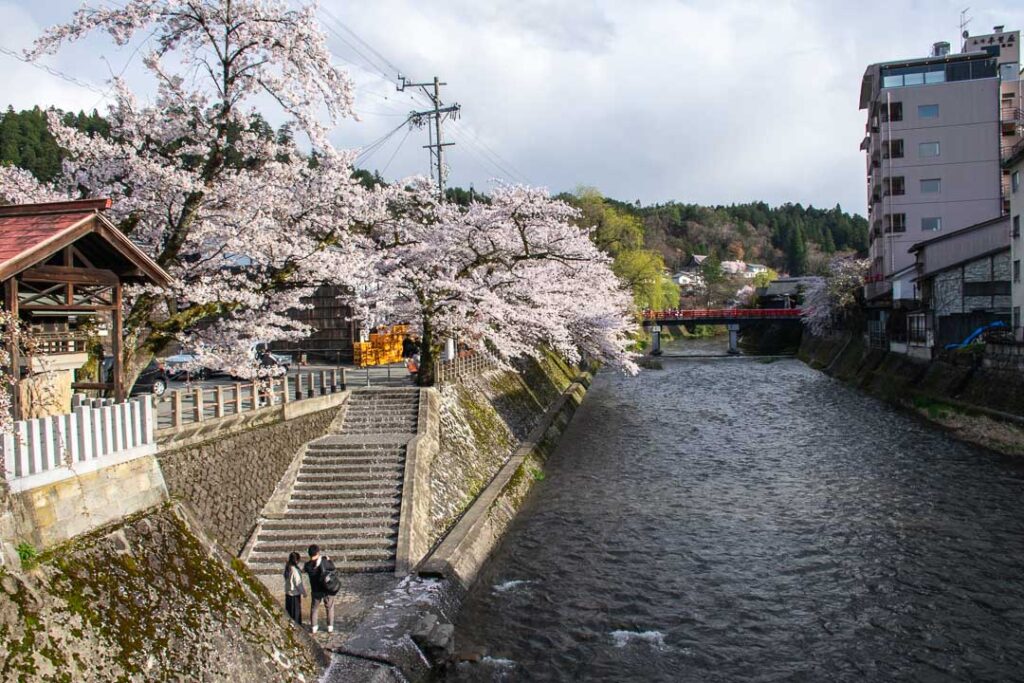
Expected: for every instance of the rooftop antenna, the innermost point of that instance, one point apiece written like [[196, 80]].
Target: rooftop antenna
[[964, 20]]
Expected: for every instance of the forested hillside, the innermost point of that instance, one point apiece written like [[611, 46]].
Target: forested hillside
[[790, 238]]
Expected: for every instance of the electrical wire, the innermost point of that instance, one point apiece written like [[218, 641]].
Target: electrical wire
[[54, 72]]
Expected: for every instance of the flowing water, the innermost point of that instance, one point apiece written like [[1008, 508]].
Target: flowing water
[[736, 519]]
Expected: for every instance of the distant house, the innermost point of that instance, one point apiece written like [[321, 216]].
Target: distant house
[[753, 269], [734, 267], [695, 263], [786, 292], [688, 279]]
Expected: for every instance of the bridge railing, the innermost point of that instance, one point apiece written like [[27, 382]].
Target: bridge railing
[[722, 313]]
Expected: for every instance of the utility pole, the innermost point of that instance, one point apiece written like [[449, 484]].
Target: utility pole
[[438, 114]]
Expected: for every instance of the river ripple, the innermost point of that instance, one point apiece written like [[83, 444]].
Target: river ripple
[[731, 519]]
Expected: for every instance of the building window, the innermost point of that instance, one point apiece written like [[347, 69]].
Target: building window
[[933, 224], [928, 149], [927, 111], [1016, 270], [1016, 226], [893, 111], [895, 185], [931, 185], [896, 222], [989, 288], [1015, 181], [892, 149], [1016, 317]]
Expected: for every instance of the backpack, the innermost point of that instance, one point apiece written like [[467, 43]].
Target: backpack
[[331, 577]]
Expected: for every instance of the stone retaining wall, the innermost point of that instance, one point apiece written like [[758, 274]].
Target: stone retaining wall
[[228, 478], [960, 378]]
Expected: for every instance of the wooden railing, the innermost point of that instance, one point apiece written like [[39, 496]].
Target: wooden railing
[[461, 367], [199, 403]]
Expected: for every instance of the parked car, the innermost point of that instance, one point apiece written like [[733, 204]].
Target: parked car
[[153, 379], [185, 367]]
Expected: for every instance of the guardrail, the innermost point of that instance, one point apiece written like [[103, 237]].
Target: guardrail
[[697, 314], [460, 367], [95, 434], [184, 406]]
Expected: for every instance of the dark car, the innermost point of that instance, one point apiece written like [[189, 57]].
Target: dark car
[[152, 380]]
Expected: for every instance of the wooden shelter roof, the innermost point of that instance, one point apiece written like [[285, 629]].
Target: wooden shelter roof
[[32, 233]]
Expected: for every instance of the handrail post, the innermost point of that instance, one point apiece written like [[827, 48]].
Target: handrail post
[[344, 379], [218, 406], [323, 382], [176, 408], [284, 389], [197, 404], [298, 386], [238, 398], [309, 385]]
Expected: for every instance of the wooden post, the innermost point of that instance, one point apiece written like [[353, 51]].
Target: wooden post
[[344, 379], [176, 408], [298, 386], [284, 389], [334, 380], [115, 346], [11, 302], [238, 398], [323, 382], [197, 404], [218, 407], [309, 386]]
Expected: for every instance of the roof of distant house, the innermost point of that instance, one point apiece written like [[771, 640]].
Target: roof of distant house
[[32, 233]]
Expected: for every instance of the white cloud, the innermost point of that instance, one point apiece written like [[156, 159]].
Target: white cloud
[[709, 101]]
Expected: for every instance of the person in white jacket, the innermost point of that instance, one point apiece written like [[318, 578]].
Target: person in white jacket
[[293, 588]]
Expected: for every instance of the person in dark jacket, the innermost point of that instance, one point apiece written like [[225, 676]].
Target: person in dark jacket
[[317, 569]]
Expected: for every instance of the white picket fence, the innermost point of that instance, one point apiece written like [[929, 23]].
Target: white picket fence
[[97, 434]]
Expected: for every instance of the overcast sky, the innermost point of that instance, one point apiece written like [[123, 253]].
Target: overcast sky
[[707, 101]]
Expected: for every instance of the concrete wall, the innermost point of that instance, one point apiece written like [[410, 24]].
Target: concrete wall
[[228, 478], [53, 513]]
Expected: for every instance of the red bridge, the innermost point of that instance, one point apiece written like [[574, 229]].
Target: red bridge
[[718, 316]]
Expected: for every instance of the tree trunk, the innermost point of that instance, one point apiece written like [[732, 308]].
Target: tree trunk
[[425, 374]]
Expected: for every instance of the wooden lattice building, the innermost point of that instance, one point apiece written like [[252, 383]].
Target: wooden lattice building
[[63, 266]]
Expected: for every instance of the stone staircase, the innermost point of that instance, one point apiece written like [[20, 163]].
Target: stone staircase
[[347, 492]]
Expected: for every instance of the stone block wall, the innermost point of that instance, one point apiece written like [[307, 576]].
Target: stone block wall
[[228, 479], [53, 513]]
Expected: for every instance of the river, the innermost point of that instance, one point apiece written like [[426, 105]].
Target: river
[[742, 519]]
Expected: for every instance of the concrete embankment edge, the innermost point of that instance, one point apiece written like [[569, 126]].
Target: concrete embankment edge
[[465, 548], [958, 380], [412, 632]]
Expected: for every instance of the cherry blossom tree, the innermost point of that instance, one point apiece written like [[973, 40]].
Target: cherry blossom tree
[[507, 278], [829, 300], [244, 222]]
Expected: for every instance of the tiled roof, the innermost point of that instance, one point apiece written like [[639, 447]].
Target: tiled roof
[[19, 234]]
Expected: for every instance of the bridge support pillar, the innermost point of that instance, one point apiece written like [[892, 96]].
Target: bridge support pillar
[[655, 340], [734, 337]]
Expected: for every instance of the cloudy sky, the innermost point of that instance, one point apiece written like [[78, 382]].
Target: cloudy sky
[[707, 101]]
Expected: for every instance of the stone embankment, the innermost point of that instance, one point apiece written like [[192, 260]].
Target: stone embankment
[[978, 401], [149, 598]]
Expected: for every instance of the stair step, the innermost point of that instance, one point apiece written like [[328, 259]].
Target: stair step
[[343, 466], [346, 481], [382, 491], [336, 554], [334, 547], [319, 524], [361, 504], [328, 538], [342, 516]]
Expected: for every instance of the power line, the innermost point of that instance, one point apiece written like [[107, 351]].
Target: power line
[[54, 72]]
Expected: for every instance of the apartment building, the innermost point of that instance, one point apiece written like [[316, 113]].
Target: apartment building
[[1014, 167], [938, 129]]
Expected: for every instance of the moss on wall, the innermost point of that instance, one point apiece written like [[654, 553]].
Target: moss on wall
[[483, 420], [144, 600]]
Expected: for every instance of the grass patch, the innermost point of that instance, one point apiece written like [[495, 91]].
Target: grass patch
[[28, 554]]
